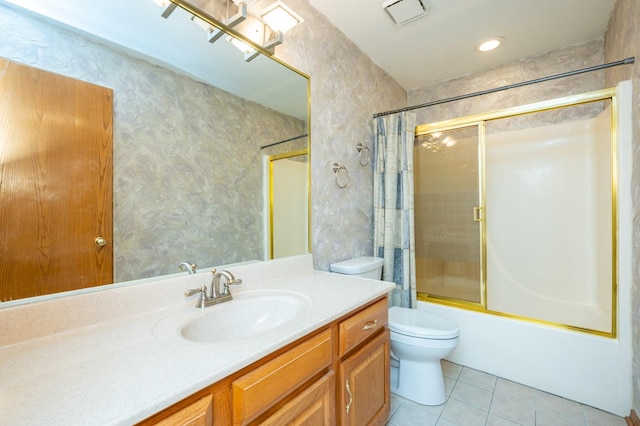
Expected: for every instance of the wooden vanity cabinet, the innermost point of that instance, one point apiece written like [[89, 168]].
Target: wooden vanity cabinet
[[364, 384], [199, 413], [257, 391], [363, 372], [337, 375], [313, 406]]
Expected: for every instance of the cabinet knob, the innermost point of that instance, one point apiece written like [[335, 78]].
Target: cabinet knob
[[100, 241]]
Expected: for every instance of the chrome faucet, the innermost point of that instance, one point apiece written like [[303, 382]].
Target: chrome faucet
[[190, 267], [216, 295], [229, 280]]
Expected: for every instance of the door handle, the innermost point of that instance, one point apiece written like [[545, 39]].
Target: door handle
[[477, 214], [100, 241]]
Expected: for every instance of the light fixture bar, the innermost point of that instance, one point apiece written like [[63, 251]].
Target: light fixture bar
[[168, 10], [275, 41], [213, 32], [238, 17]]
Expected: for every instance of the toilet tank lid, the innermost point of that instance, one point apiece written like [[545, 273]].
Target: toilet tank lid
[[357, 265]]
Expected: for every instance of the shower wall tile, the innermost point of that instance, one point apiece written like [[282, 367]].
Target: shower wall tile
[[622, 40]]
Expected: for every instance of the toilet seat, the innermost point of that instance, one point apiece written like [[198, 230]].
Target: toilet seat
[[421, 324]]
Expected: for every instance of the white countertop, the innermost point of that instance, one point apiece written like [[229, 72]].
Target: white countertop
[[122, 370]]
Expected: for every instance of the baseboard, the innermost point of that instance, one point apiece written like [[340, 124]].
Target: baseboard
[[632, 419]]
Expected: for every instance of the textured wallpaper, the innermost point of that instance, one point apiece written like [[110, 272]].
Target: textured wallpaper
[[188, 179], [347, 88], [567, 59], [622, 40]]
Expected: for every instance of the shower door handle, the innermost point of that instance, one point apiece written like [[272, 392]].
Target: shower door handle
[[477, 214]]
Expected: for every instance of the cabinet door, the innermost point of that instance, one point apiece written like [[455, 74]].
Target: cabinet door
[[314, 406], [200, 413], [364, 384]]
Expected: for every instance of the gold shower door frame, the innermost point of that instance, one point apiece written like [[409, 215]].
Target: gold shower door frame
[[479, 120], [273, 231], [474, 212]]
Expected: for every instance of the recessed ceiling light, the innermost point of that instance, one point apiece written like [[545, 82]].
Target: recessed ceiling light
[[490, 44]]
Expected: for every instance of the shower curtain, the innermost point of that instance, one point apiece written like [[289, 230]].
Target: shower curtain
[[393, 238]]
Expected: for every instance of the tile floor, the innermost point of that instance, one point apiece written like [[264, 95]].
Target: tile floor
[[478, 398]]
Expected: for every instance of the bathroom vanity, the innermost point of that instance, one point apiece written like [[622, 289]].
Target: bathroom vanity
[[145, 354]]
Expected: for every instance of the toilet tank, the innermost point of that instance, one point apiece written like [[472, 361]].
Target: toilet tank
[[365, 267]]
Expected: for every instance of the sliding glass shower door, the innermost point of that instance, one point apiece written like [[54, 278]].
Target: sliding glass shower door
[[448, 195], [515, 212]]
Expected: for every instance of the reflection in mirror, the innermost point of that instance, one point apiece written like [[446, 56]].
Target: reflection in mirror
[[289, 219], [189, 179]]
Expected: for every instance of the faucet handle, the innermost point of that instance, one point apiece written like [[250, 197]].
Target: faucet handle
[[203, 295], [233, 281], [195, 291]]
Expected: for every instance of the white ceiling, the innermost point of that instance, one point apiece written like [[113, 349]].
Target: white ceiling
[[441, 44]]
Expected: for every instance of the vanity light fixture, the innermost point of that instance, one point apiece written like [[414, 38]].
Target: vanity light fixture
[[241, 45], [168, 6], [250, 30], [214, 33], [249, 52], [202, 23], [490, 44], [280, 17]]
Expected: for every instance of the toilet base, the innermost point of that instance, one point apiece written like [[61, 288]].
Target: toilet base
[[421, 382]]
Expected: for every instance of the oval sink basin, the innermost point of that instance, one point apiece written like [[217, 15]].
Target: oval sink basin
[[247, 315]]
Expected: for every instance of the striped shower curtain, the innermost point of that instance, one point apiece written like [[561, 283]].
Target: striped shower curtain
[[394, 237]]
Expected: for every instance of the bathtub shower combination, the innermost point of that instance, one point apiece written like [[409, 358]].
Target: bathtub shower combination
[[514, 214], [525, 214]]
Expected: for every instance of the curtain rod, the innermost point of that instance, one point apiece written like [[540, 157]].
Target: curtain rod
[[627, 61], [286, 140]]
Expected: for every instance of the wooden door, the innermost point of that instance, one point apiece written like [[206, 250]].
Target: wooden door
[[364, 397], [55, 182]]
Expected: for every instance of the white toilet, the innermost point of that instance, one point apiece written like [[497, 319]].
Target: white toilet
[[419, 340]]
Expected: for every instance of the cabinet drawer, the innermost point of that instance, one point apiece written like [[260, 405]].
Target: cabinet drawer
[[362, 325], [314, 406], [197, 414], [260, 389]]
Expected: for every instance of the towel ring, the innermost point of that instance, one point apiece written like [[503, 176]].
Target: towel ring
[[342, 175], [364, 158]]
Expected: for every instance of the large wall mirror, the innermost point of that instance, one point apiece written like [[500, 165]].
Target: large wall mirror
[[195, 128]]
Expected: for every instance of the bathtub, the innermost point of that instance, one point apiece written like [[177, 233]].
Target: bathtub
[[588, 368]]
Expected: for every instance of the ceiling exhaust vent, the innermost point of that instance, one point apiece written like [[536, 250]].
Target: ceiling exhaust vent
[[403, 11]]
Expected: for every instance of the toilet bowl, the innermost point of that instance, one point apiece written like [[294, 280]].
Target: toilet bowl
[[419, 341]]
